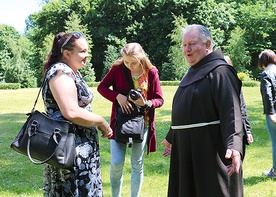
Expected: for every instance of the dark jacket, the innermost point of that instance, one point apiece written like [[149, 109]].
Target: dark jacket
[[116, 79], [268, 89]]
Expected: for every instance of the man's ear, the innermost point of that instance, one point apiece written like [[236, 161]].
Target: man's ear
[[208, 44]]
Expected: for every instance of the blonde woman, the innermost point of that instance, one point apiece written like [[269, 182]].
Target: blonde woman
[[145, 77]]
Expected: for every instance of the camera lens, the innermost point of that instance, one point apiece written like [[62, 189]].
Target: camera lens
[[133, 95]]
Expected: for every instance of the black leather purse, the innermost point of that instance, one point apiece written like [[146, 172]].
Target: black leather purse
[[129, 128], [45, 140]]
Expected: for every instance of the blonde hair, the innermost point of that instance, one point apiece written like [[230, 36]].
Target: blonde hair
[[135, 50]]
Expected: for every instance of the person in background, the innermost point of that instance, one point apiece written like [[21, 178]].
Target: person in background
[[248, 137], [267, 62], [67, 96], [145, 77], [206, 134]]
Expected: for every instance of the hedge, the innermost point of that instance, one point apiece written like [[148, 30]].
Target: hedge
[[250, 83], [6, 86]]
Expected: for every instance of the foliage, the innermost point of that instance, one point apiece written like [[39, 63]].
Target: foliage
[[7, 86], [250, 83], [112, 52], [14, 57], [169, 83], [237, 50], [120, 19], [4, 60], [242, 76], [73, 24], [177, 66], [257, 19], [241, 28], [217, 17], [247, 81], [93, 84], [88, 73]]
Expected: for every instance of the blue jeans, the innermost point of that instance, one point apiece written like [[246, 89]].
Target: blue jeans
[[271, 127], [118, 151]]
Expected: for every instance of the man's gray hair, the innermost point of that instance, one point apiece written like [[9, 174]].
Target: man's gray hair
[[204, 33]]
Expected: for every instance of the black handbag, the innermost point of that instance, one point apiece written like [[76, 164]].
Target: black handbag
[[129, 128], [45, 140]]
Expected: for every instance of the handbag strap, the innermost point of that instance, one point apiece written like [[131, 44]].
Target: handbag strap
[[38, 162], [42, 85]]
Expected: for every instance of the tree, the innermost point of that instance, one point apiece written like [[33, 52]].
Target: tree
[[73, 24], [112, 52], [55, 17], [177, 66], [149, 23], [15, 55], [237, 51], [258, 23], [116, 18], [218, 18]]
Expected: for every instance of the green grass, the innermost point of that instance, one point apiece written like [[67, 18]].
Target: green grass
[[18, 177]]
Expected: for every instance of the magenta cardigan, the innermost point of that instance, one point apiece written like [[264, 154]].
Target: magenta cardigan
[[116, 79]]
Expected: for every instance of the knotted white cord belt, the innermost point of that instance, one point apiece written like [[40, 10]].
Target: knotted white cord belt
[[202, 124]]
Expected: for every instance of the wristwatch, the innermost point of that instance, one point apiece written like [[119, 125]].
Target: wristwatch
[[148, 104]]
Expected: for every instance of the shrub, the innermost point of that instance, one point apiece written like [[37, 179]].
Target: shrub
[[92, 84], [6, 86], [242, 76], [250, 83], [169, 83]]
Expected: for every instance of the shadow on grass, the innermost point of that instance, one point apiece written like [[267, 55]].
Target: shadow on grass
[[254, 180]]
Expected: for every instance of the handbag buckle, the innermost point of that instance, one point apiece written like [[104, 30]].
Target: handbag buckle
[[34, 127], [56, 135]]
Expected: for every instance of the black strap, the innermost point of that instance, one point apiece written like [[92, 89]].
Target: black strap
[[42, 85], [128, 77]]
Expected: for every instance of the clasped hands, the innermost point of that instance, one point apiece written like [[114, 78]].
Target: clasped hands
[[105, 129]]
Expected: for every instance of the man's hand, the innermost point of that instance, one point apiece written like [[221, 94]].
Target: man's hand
[[168, 148], [236, 161]]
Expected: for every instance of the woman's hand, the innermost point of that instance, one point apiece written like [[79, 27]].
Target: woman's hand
[[125, 105], [140, 101], [250, 138], [273, 117], [107, 133], [106, 130]]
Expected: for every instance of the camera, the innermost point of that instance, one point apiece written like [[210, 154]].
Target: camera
[[134, 94]]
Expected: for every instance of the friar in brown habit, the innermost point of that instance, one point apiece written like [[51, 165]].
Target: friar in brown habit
[[205, 137]]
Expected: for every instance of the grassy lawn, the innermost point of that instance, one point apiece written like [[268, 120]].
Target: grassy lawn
[[18, 177]]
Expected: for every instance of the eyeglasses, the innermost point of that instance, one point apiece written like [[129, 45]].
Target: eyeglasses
[[76, 35]]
